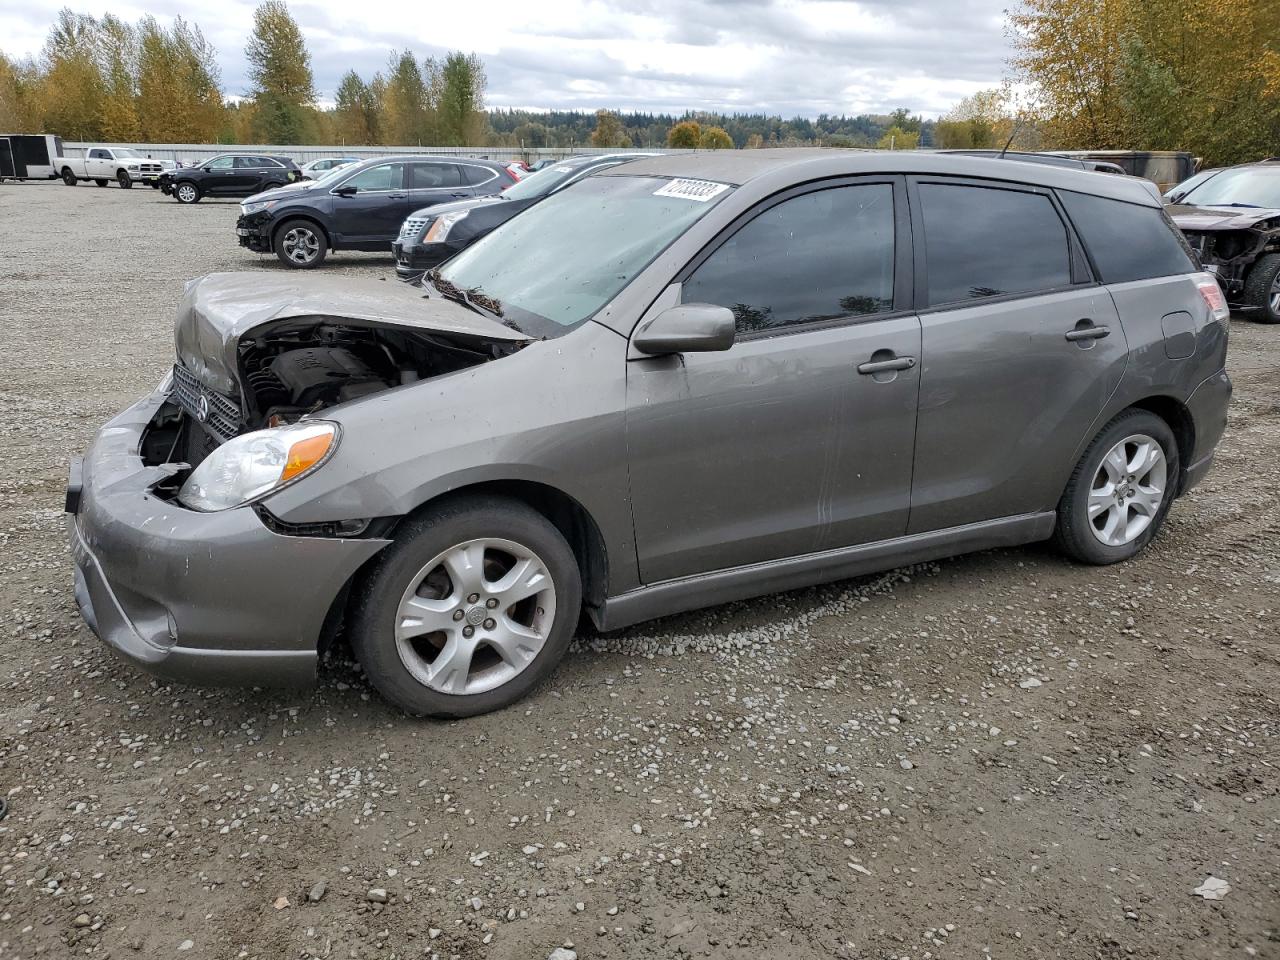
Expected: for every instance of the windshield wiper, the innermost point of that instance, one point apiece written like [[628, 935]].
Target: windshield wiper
[[474, 299], [1251, 206]]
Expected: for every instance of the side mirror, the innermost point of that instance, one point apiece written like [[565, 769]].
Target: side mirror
[[346, 191], [207, 169], [688, 328]]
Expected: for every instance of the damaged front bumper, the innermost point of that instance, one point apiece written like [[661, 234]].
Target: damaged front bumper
[[254, 231], [197, 597]]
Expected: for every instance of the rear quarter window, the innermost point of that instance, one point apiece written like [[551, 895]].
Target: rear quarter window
[[1127, 241]]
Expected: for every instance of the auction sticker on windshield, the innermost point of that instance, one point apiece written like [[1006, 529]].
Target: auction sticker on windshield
[[699, 190]]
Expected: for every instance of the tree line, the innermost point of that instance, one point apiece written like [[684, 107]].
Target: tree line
[[1198, 75]]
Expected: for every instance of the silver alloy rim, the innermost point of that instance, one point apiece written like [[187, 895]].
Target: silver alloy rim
[[475, 617], [301, 245], [1275, 296], [1127, 490], [187, 193]]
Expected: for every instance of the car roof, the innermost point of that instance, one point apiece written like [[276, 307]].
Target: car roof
[[798, 164], [437, 158]]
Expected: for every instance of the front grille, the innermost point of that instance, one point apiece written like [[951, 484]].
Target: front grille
[[411, 228], [151, 168], [217, 413]]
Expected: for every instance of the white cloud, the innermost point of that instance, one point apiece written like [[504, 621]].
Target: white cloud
[[785, 57]]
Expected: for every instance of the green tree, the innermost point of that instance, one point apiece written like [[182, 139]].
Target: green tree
[[20, 85], [609, 131], [355, 113], [118, 61], [280, 69], [686, 135], [460, 103], [74, 90], [896, 138], [715, 138], [179, 95], [405, 116]]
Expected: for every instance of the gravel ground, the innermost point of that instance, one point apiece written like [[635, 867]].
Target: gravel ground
[[999, 755]]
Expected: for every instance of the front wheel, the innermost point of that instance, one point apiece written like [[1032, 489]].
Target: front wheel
[[1262, 288], [68, 177], [472, 606], [1121, 490], [123, 178], [187, 193], [301, 244]]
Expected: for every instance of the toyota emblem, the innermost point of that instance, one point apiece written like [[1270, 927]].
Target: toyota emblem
[[202, 408]]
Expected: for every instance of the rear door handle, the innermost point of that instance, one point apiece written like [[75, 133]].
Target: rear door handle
[[884, 366], [1085, 330]]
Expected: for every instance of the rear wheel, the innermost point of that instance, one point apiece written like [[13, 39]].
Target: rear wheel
[[123, 178], [101, 183], [1121, 490], [68, 177], [271, 186], [472, 606], [187, 192], [1262, 288], [301, 244]]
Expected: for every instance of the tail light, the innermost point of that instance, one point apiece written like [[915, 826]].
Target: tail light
[[1213, 297]]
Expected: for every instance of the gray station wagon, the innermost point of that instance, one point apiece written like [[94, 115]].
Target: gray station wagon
[[684, 381]]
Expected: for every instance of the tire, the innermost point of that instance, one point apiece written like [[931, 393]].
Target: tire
[[186, 192], [300, 244], [491, 532], [101, 183], [1126, 523], [123, 178], [273, 185], [1262, 289], [68, 177]]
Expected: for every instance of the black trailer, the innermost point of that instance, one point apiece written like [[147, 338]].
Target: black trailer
[[25, 156]]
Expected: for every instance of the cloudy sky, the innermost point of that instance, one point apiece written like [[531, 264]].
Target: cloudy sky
[[788, 57]]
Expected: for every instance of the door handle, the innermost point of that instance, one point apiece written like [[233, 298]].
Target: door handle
[[1085, 330], [885, 366]]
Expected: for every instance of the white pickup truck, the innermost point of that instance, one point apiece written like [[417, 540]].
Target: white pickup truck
[[104, 164]]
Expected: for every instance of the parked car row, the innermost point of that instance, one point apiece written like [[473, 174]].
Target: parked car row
[[660, 384]]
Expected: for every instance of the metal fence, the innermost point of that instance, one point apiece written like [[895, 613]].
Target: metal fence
[[187, 152]]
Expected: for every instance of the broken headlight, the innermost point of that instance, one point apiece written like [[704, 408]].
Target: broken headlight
[[253, 465]]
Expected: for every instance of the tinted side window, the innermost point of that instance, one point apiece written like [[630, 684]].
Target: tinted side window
[[247, 163], [221, 163], [427, 176], [384, 177], [818, 256], [982, 242], [1127, 241], [472, 175]]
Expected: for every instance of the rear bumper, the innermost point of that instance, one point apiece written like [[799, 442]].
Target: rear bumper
[[212, 598], [1208, 406]]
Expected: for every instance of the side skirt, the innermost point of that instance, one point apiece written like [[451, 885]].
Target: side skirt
[[773, 576]]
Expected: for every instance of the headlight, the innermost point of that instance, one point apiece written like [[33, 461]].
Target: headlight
[[256, 464], [257, 206], [131, 166], [438, 232]]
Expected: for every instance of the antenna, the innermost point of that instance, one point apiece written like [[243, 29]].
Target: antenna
[[1008, 143]]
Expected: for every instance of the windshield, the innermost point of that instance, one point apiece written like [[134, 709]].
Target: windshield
[[543, 182], [561, 260], [1243, 186], [1186, 186]]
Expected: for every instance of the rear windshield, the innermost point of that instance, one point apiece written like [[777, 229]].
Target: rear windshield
[[1127, 241], [563, 259]]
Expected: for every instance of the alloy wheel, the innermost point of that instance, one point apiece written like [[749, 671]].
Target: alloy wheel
[[1127, 490], [301, 245], [1274, 297], [475, 617], [187, 193]]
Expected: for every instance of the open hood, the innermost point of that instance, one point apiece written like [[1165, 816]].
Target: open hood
[[220, 308], [1188, 217]]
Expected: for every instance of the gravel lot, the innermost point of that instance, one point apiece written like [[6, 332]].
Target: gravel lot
[[999, 755]]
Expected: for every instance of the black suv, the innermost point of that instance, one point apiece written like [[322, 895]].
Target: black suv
[[430, 237], [359, 207], [1231, 218], [229, 175]]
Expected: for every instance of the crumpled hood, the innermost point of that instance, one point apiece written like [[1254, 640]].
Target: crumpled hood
[[1218, 218], [218, 309]]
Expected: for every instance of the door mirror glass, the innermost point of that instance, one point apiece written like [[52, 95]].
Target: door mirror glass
[[688, 328]]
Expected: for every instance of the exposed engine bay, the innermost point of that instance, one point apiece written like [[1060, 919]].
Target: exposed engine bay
[[292, 369]]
